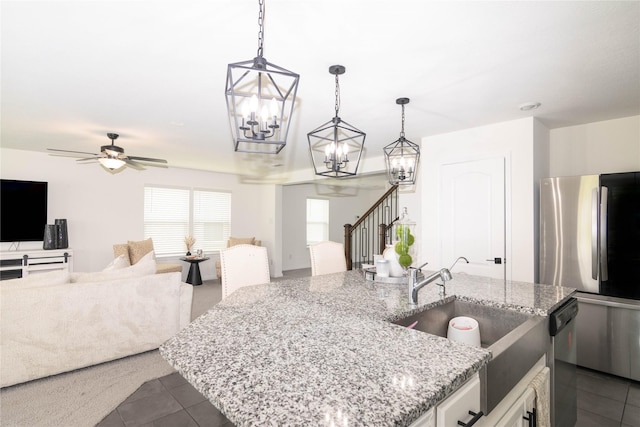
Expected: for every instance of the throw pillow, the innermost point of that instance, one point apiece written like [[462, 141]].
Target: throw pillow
[[122, 249], [139, 249], [36, 280], [145, 267], [118, 263], [241, 241]]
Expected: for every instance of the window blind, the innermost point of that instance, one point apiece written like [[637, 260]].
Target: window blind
[[171, 214], [317, 220], [211, 219]]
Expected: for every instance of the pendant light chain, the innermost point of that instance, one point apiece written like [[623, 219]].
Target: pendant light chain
[[337, 95], [261, 26], [402, 131]]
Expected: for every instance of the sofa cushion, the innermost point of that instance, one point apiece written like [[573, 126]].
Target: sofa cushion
[[144, 267], [139, 249], [121, 261], [168, 268], [240, 241], [35, 280]]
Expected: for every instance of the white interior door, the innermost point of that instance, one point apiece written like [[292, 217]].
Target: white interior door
[[472, 213]]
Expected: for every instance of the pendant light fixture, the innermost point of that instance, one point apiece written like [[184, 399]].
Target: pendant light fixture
[[402, 156], [336, 146], [260, 100]]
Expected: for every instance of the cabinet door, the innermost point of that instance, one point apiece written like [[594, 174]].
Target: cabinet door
[[513, 417], [457, 406], [520, 413], [529, 400]]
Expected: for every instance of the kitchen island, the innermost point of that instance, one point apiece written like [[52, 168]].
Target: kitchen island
[[321, 350]]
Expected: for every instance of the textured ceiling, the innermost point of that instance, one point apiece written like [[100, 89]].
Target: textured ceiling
[[154, 71]]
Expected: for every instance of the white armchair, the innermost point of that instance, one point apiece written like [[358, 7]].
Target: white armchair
[[233, 241], [327, 257], [243, 265]]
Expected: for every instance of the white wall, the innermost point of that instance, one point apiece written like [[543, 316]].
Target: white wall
[[103, 208], [534, 152], [344, 204], [594, 148], [513, 140]]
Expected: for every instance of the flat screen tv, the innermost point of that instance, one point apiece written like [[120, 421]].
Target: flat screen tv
[[23, 210]]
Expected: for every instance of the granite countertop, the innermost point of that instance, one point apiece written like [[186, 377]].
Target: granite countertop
[[322, 351]]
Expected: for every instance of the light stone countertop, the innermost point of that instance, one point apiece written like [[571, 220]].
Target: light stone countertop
[[321, 350]]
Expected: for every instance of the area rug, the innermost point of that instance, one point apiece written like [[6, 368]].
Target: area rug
[[79, 398]]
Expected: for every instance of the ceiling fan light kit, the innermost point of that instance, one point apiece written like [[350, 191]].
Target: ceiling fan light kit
[[336, 146], [112, 163], [402, 156], [260, 98]]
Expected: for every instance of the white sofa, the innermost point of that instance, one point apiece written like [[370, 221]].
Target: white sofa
[[52, 323]]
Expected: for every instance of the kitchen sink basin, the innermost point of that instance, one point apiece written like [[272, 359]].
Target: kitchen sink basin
[[516, 341], [494, 323]]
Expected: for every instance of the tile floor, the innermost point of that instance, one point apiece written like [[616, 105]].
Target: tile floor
[[607, 401], [603, 401], [169, 401]]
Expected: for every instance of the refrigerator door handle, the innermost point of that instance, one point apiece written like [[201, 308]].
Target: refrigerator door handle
[[604, 270], [594, 234]]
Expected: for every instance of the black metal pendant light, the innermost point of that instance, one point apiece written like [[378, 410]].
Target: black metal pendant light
[[260, 99], [402, 156], [336, 146]]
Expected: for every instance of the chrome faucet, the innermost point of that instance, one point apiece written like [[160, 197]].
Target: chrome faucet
[[443, 274]]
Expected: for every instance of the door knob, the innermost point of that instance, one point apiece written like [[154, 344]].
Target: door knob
[[496, 260]]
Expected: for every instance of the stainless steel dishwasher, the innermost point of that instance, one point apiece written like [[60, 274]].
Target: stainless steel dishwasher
[[562, 328]]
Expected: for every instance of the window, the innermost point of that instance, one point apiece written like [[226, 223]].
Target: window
[[317, 220], [171, 214]]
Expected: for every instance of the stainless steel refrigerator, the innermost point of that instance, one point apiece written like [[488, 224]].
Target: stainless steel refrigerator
[[590, 240]]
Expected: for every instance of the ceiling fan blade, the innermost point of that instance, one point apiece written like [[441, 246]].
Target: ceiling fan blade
[[147, 159], [157, 165], [134, 165], [88, 158], [69, 151]]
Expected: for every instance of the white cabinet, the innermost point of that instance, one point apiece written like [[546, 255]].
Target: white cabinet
[[521, 413], [459, 405], [513, 417], [515, 410], [529, 417], [15, 264]]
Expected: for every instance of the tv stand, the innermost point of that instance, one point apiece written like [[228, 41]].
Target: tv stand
[[16, 264]]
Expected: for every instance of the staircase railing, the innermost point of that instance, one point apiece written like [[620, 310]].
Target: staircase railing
[[369, 235]]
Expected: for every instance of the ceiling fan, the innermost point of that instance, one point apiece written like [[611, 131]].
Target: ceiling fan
[[113, 158]]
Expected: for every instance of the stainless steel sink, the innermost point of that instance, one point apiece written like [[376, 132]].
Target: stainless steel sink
[[516, 341]]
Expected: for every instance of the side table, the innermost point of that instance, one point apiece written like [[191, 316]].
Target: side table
[[194, 278]]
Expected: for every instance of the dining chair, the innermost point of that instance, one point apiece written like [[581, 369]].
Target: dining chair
[[243, 265], [327, 257]]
